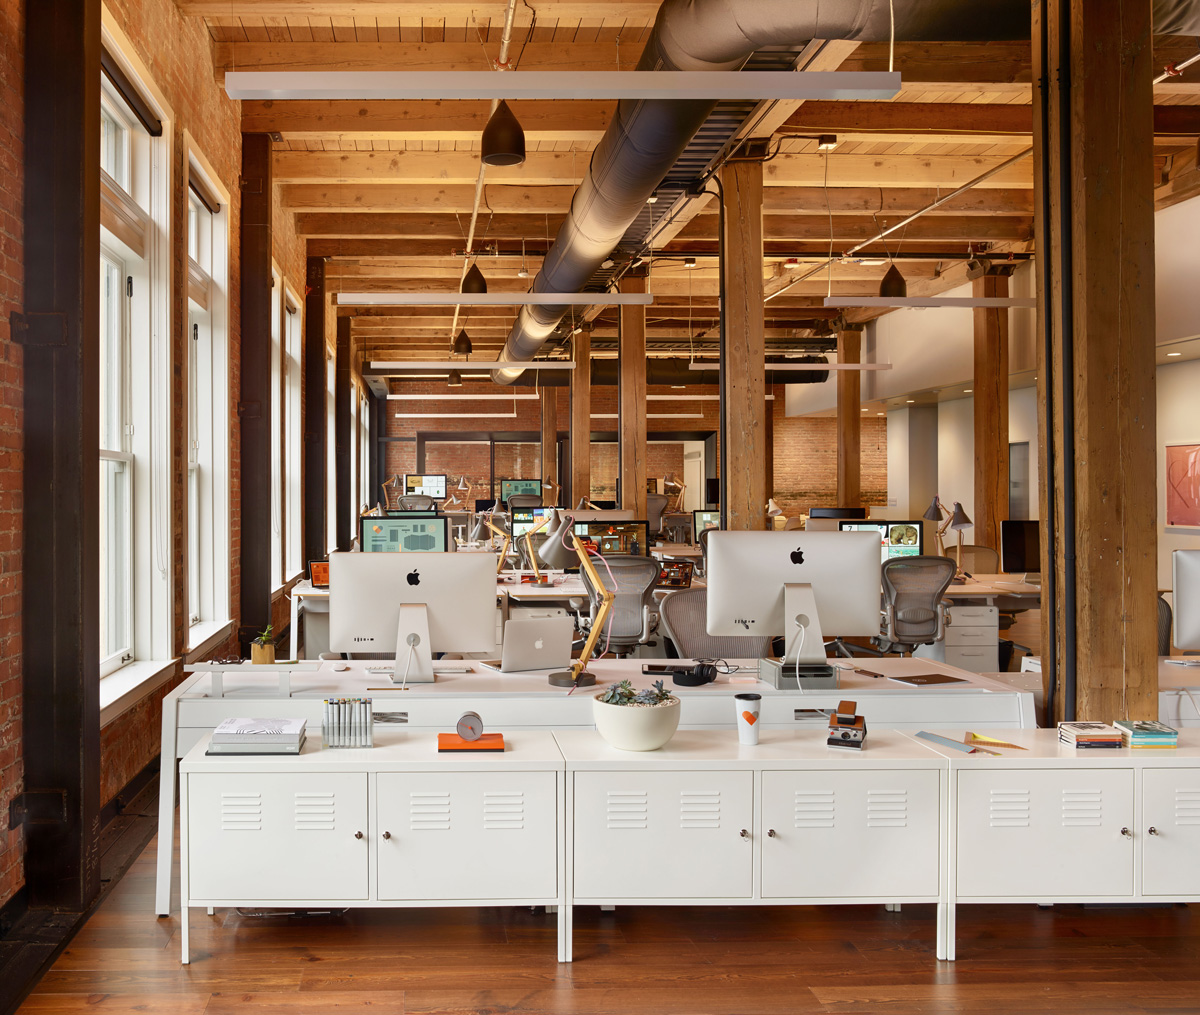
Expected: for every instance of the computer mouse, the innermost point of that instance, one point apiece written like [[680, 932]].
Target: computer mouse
[[340, 667]]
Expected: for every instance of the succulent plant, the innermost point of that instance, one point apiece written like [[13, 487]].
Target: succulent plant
[[624, 693]]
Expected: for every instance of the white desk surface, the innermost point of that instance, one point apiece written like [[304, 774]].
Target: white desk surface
[[691, 750], [676, 550], [1042, 746], [989, 586], [1173, 675]]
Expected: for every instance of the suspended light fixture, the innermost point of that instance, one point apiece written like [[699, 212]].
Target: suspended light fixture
[[454, 379], [473, 281], [522, 272], [893, 285], [462, 344], [503, 140]]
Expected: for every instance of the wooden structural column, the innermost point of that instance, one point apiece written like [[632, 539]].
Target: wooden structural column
[[581, 419], [254, 407], [343, 438], [315, 423], [743, 352], [1096, 374], [632, 397], [991, 413], [59, 805], [849, 422], [549, 404]]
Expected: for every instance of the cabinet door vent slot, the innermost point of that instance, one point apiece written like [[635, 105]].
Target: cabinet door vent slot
[[627, 809], [1082, 807], [1187, 806], [699, 810], [1008, 808], [814, 808], [429, 812], [504, 810], [241, 812], [314, 812], [887, 808]]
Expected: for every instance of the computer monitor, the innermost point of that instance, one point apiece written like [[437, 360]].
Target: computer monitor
[[616, 536], [510, 486], [484, 504], [705, 519], [521, 520], [425, 485], [801, 585], [837, 512], [606, 505], [897, 539], [419, 602], [1185, 582], [407, 533], [1021, 547], [712, 491], [605, 515]]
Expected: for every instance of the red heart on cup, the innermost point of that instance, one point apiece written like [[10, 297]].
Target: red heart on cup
[[750, 717]]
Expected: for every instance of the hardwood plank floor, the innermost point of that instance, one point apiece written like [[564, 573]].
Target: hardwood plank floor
[[775, 960]]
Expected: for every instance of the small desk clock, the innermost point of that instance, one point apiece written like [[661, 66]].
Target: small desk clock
[[469, 736]]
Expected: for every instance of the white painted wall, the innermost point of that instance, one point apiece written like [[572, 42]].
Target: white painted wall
[[956, 456], [1178, 423], [1176, 270], [1023, 426]]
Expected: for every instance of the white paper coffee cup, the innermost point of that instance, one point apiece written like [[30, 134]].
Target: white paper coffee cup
[[746, 708]]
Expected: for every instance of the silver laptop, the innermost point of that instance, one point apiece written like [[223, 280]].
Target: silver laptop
[[537, 644]]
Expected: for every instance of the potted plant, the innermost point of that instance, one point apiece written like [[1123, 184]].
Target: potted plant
[[633, 720], [262, 648]]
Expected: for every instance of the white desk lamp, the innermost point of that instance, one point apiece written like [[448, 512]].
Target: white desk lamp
[[958, 522]]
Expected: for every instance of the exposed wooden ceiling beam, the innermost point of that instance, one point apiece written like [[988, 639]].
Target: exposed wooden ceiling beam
[[1182, 182], [462, 10]]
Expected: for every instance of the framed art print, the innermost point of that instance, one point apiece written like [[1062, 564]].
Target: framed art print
[[1183, 484]]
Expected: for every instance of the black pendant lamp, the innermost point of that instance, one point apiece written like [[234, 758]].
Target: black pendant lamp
[[503, 140], [462, 344], [893, 286], [454, 379], [473, 281]]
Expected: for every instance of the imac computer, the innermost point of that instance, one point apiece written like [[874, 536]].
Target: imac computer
[[706, 519], [510, 486], [1021, 549], [405, 533], [615, 537], [802, 585], [1185, 583], [426, 486], [413, 604], [897, 539]]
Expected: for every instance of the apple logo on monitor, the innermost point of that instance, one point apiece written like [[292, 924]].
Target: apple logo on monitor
[[539, 644], [413, 578], [797, 556]]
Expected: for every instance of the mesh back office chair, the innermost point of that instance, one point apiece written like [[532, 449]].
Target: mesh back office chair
[[976, 559], [1164, 627], [685, 617], [914, 612], [521, 501], [415, 502], [656, 504], [633, 579]]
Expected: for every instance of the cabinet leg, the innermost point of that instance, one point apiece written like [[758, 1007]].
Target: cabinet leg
[[211, 910], [608, 909], [183, 934], [946, 921], [566, 927], [166, 822]]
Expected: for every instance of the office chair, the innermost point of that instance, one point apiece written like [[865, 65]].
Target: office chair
[[1164, 627], [415, 502], [656, 504], [632, 618], [518, 501], [979, 559], [685, 617], [914, 612]]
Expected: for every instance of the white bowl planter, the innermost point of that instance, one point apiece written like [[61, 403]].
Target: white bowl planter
[[636, 727]]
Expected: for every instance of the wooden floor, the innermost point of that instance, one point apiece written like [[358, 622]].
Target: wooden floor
[[690, 961]]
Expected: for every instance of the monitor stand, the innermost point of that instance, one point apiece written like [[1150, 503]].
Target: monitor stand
[[414, 660], [803, 666]]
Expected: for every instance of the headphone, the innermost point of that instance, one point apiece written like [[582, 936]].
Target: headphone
[[694, 676]]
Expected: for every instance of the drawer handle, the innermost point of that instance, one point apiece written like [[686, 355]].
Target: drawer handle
[[1127, 833], [358, 835], [744, 834], [387, 835], [1152, 830], [771, 832]]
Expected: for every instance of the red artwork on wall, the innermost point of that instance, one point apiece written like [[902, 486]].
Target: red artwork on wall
[[1183, 484]]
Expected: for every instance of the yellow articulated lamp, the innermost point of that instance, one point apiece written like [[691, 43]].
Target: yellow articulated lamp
[[539, 580], [507, 541]]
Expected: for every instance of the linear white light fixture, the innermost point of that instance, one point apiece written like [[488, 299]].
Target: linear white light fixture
[[931, 301], [464, 398], [492, 299], [653, 415], [458, 364], [690, 398], [710, 364], [744, 85], [456, 415]]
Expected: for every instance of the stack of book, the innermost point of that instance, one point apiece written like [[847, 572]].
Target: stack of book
[[1089, 735], [258, 736], [1147, 733]]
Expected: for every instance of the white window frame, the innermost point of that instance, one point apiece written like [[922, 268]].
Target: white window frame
[[330, 450], [293, 380], [208, 510], [278, 579]]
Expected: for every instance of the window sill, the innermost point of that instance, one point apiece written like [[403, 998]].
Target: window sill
[[205, 636], [124, 688]]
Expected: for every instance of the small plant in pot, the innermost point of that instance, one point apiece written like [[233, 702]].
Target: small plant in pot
[[262, 648], [636, 720]]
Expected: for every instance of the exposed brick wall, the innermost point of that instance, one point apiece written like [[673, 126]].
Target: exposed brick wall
[[12, 164]]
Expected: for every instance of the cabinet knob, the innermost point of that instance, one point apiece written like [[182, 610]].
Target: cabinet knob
[[387, 835], [745, 834], [1152, 830], [358, 835], [1127, 833], [771, 832]]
